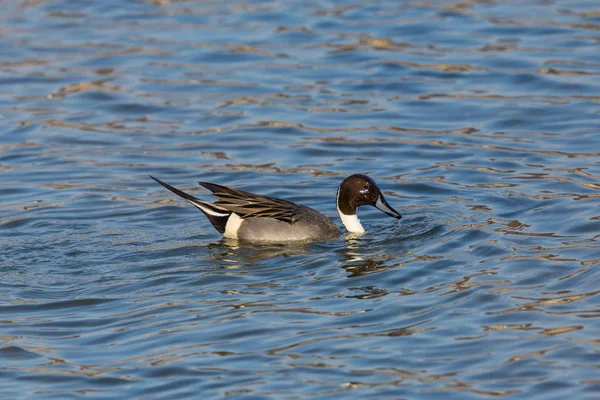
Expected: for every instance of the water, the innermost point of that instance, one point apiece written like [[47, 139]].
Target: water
[[479, 120]]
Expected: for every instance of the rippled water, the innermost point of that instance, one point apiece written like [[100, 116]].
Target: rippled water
[[479, 120]]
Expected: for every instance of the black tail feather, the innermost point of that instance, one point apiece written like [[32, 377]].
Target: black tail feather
[[217, 216]]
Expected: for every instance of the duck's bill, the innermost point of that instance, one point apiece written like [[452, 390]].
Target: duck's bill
[[383, 205]]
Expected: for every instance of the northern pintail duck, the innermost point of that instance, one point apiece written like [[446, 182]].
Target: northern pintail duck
[[248, 216]]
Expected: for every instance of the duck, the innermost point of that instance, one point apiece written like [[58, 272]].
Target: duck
[[251, 217]]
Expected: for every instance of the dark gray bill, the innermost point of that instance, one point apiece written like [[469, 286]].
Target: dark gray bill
[[383, 205]]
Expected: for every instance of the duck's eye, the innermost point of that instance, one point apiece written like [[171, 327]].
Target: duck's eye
[[366, 187]]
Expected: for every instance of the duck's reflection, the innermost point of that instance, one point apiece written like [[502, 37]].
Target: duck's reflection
[[362, 255], [357, 254], [232, 253]]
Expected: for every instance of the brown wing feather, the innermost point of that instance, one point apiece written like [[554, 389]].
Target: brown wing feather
[[246, 204]]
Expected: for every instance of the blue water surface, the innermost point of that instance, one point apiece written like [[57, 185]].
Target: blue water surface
[[479, 120]]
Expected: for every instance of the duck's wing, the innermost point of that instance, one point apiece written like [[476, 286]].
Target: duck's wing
[[250, 205]]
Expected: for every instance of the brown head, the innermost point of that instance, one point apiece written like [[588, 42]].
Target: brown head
[[360, 190]]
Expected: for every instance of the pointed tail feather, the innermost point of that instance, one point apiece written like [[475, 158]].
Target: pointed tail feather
[[216, 215]]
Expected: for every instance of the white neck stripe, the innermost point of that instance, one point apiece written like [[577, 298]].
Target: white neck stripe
[[351, 222]]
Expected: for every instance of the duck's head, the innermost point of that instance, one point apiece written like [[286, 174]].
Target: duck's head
[[360, 190]]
